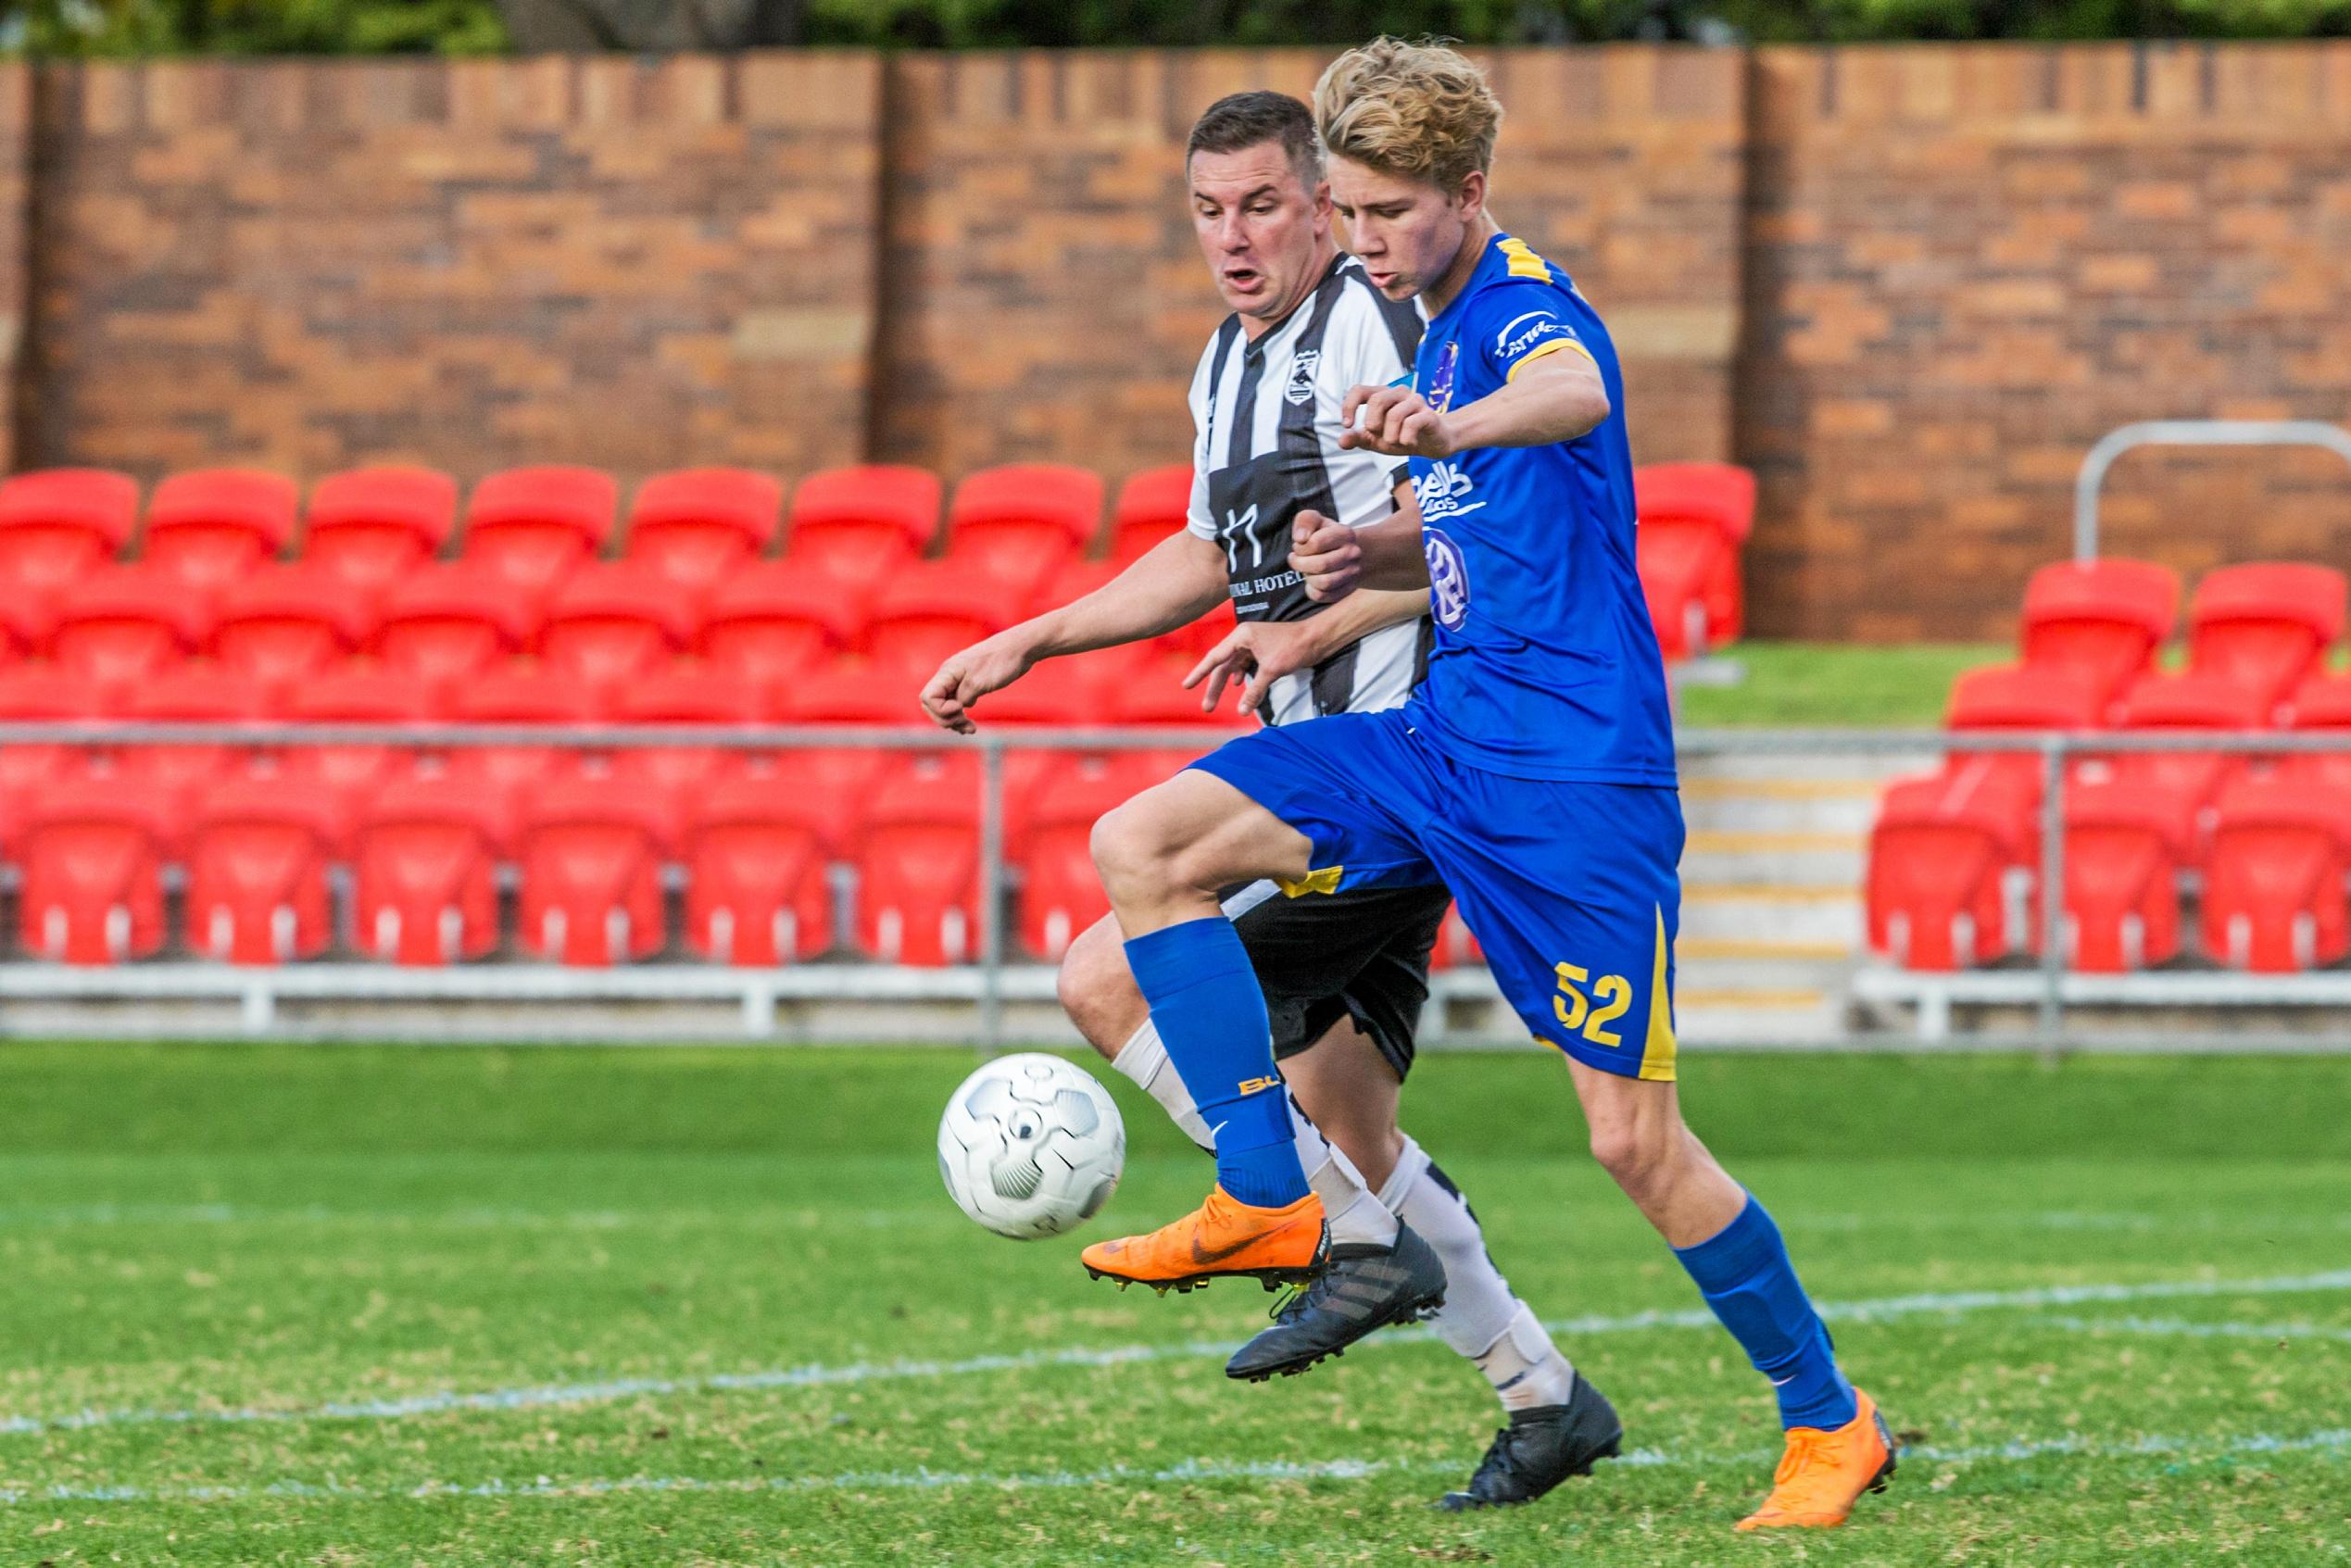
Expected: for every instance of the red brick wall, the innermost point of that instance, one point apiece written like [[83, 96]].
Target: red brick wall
[[474, 264], [1910, 285], [1044, 297], [1964, 265]]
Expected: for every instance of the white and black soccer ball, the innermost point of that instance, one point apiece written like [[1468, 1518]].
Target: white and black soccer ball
[[1031, 1146]]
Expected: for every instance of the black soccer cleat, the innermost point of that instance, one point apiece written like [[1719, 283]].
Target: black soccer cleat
[[1540, 1448], [1360, 1288]]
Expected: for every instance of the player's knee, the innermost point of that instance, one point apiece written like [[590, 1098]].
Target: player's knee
[[1135, 850], [1629, 1150], [1094, 987]]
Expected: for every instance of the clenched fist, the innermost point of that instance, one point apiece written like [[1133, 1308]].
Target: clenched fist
[[1326, 553]]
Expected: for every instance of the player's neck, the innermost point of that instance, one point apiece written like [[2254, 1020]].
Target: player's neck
[[1327, 252], [1456, 278]]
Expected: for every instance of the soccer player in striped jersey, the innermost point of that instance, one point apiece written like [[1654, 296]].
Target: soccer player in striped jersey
[[1532, 772], [1344, 975]]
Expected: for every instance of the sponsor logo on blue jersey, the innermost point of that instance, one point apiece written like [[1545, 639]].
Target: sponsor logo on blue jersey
[[1439, 396], [1525, 331], [1448, 577], [1442, 489]]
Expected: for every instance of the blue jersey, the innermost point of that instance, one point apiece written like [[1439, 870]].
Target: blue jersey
[[1545, 664]]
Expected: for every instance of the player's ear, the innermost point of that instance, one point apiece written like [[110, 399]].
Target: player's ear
[[1471, 198]]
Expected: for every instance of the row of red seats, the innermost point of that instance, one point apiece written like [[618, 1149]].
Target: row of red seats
[[608, 622], [755, 839], [691, 566], [1949, 850], [533, 525]]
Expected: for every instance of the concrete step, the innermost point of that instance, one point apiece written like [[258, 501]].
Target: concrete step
[[1806, 858]]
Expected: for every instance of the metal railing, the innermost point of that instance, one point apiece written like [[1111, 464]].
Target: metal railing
[[985, 983], [2184, 432]]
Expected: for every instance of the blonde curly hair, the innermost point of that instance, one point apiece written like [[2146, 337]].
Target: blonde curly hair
[[1419, 111]]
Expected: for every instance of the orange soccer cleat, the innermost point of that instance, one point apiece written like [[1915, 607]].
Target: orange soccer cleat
[[1823, 1473], [1222, 1238]]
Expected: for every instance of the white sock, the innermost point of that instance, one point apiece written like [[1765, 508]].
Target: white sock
[[1144, 1059], [1352, 1209], [1480, 1318]]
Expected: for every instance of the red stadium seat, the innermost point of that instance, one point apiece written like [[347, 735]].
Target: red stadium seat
[[93, 872], [282, 623], [2322, 702], [1021, 522], [1456, 944], [374, 526], [1152, 505], [2104, 617], [124, 624], [534, 526], [2190, 701], [1937, 895], [257, 872], [856, 525], [1152, 692], [58, 525], [424, 888], [839, 780], [697, 526], [757, 889], [1061, 892], [511, 774], [195, 693], [2125, 844], [349, 775], [917, 861], [612, 621], [771, 622], [2264, 626], [1694, 517], [444, 624], [212, 526], [2274, 895], [590, 851], [2010, 696], [43, 693], [933, 609], [28, 620], [689, 694]]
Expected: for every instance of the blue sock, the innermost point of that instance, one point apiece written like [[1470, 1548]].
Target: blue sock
[[1744, 1273], [1211, 1013]]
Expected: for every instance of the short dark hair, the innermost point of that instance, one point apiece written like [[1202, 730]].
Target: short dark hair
[[1248, 120]]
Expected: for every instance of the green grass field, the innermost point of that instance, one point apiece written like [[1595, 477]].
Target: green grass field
[[346, 1305]]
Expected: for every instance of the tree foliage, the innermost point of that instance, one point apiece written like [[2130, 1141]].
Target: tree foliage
[[338, 27]]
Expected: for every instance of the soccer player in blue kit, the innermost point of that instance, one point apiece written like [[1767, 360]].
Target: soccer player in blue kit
[[1532, 772]]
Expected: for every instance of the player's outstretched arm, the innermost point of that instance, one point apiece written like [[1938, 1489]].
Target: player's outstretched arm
[[1335, 561], [1258, 653], [1555, 398], [1179, 581]]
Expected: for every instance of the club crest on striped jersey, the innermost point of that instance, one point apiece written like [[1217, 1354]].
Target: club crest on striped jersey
[[1298, 390]]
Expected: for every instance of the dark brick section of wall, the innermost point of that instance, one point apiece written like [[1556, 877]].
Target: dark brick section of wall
[[1043, 295], [1965, 265], [475, 264], [16, 192]]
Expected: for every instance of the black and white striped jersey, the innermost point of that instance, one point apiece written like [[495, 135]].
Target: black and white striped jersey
[[1266, 421]]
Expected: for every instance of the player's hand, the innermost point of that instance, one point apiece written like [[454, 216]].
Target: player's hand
[[1395, 420], [1326, 555], [969, 675], [1256, 654]]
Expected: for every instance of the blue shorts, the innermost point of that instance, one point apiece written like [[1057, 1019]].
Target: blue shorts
[[1574, 889]]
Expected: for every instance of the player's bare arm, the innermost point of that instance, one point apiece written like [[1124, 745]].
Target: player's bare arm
[[1557, 397], [1335, 561], [1176, 582], [1258, 653]]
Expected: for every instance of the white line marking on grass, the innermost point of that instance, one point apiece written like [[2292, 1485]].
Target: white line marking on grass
[[2328, 1442], [1884, 1309], [2185, 1328]]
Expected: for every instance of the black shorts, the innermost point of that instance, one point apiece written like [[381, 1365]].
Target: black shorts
[[1322, 956]]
